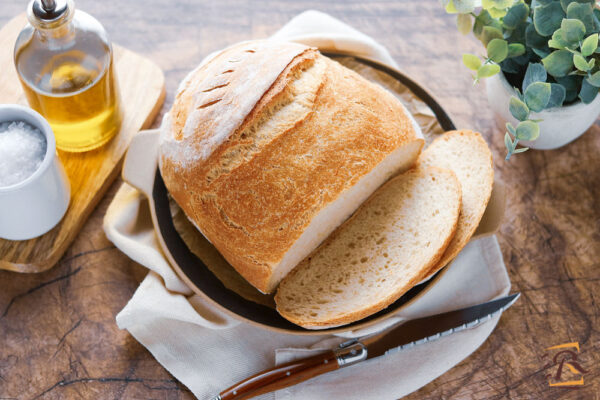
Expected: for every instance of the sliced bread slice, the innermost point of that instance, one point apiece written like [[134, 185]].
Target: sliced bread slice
[[388, 246], [469, 157]]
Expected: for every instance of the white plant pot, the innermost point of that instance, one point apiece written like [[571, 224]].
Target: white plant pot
[[559, 126]]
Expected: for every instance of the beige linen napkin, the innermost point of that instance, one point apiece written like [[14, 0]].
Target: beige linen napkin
[[208, 351]]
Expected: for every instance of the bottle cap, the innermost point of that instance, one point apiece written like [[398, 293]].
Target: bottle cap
[[48, 9]]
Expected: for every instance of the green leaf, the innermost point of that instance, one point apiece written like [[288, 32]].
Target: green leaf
[[573, 30], [490, 33], [518, 109], [482, 20], [528, 130], [557, 96], [520, 150], [511, 129], [537, 96], [487, 70], [589, 45], [471, 61], [583, 13], [535, 73], [588, 92], [571, 84], [558, 40], [541, 53], [497, 50], [499, 4], [547, 18], [515, 15], [464, 23], [515, 50], [533, 39], [558, 63], [594, 79], [580, 63], [508, 142]]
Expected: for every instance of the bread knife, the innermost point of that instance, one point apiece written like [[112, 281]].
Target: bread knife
[[408, 334]]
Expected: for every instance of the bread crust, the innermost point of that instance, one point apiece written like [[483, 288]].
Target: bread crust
[[392, 297], [253, 197]]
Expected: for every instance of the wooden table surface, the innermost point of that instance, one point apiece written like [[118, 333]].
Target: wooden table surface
[[58, 337]]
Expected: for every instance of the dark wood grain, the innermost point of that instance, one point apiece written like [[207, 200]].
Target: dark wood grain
[[58, 338]]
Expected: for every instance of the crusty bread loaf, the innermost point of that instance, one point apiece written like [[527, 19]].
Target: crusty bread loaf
[[469, 157], [270, 146], [388, 246]]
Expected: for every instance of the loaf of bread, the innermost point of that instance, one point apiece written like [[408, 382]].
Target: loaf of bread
[[375, 257], [269, 146], [469, 157]]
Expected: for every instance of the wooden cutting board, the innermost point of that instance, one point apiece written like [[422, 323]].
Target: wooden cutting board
[[142, 87]]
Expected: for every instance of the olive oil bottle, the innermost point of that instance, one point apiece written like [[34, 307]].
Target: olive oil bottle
[[65, 63]]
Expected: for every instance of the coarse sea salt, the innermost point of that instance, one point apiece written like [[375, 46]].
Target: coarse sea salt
[[22, 150]]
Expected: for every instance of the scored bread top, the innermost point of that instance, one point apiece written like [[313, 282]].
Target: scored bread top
[[376, 256], [254, 154], [469, 157]]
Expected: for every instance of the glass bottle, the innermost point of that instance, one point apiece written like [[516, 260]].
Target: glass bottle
[[65, 63]]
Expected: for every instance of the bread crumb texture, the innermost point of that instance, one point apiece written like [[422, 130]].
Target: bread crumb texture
[[377, 255], [469, 157]]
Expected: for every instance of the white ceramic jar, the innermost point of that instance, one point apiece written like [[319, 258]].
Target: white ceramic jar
[[559, 126], [35, 205]]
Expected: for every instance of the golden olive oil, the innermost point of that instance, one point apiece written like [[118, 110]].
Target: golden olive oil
[[81, 105], [65, 64]]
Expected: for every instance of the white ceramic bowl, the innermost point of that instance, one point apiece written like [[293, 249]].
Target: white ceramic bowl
[[560, 125], [35, 205]]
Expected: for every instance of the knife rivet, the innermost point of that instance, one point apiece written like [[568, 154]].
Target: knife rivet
[[288, 373], [326, 361], [235, 392], [353, 352]]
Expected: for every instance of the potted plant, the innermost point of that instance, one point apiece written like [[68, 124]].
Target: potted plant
[[543, 64]]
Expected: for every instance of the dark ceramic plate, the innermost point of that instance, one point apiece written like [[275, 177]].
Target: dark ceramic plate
[[206, 284]]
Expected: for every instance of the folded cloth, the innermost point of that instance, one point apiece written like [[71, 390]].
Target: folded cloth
[[208, 351]]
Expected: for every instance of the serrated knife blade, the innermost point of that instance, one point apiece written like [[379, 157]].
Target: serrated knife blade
[[422, 330]]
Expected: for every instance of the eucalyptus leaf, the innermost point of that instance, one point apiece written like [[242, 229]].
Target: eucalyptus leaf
[[535, 73], [510, 66], [558, 40], [583, 13], [518, 109], [471, 61], [573, 30], [557, 96], [497, 50], [594, 79], [487, 70], [547, 18], [499, 4], [558, 63], [515, 50], [515, 15], [580, 63], [482, 20], [588, 92], [571, 84], [497, 12], [489, 33], [541, 53], [508, 141], [533, 39], [464, 23], [589, 45], [528, 130], [511, 128], [537, 96], [520, 150]]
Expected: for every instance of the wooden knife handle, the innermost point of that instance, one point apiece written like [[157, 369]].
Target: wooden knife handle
[[281, 376]]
